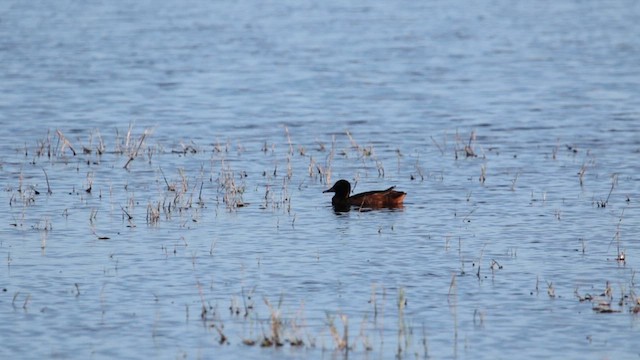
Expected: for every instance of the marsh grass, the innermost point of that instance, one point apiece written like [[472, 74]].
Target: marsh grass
[[341, 341], [210, 318], [583, 170], [551, 290], [44, 227], [274, 338], [419, 173], [614, 182], [64, 143], [440, 148], [43, 148], [281, 328], [404, 339], [462, 146], [514, 181], [232, 187], [184, 194], [604, 302], [132, 148], [616, 238], [468, 149], [46, 177]]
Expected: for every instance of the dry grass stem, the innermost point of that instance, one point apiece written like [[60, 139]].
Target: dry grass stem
[[65, 143]]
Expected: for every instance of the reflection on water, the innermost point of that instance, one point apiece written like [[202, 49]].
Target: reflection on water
[[192, 215]]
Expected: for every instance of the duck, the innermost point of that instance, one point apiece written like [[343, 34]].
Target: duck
[[376, 199]]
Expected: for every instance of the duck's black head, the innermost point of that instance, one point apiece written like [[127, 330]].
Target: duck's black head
[[342, 188]]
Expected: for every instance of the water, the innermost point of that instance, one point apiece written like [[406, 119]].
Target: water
[[281, 98]]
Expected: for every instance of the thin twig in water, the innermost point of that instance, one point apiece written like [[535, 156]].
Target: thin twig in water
[[437, 145], [513, 182], [614, 180], [65, 142], [47, 179], [134, 154], [452, 285]]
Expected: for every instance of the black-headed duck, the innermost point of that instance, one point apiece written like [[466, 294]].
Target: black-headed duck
[[388, 198]]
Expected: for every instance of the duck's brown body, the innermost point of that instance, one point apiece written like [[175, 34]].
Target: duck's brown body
[[388, 198]]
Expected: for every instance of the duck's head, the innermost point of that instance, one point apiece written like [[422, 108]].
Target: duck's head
[[342, 188]]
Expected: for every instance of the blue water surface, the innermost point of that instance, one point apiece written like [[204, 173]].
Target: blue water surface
[[191, 217]]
